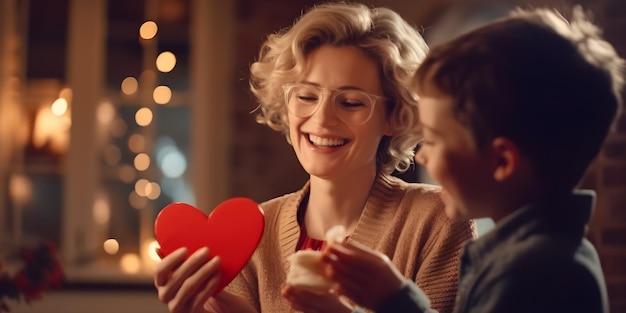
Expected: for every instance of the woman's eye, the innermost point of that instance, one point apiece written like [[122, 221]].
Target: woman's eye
[[306, 98], [351, 104]]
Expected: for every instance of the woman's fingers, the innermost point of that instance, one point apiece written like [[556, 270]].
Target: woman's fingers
[[165, 268], [209, 277], [180, 277]]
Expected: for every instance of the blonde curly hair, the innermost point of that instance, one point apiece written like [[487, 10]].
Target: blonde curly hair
[[397, 47]]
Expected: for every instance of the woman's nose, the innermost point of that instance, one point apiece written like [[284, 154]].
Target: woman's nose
[[325, 112]]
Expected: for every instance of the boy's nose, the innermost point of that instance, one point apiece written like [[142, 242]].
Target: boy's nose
[[419, 156]]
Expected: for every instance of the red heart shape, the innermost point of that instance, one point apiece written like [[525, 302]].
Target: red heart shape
[[233, 230]]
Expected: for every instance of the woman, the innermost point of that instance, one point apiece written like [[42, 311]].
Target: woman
[[337, 85]]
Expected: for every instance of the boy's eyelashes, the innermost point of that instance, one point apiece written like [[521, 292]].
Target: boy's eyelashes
[[422, 142], [425, 142]]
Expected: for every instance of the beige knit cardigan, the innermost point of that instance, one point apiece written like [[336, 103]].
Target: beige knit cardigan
[[406, 221]]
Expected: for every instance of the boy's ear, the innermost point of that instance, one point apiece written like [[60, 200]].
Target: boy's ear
[[507, 158]]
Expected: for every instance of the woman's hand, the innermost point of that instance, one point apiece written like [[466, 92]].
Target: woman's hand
[[186, 285], [314, 302], [364, 275]]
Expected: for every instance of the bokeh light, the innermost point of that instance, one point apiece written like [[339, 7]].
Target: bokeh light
[[143, 117], [130, 85], [130, 263], [59, 107], [111, 246], [142, 161], [136, 201], [101, 210], [137, 143], [166, 61], [162, 94], [148, 30]]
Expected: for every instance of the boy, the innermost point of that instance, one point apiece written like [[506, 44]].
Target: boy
[[513, 114]]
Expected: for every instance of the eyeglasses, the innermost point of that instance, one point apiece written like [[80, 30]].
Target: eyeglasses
[[354, 107]]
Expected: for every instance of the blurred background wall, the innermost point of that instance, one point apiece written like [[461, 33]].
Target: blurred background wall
[[112, 109]]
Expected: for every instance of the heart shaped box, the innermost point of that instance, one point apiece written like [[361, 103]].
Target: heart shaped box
[[232, 231]]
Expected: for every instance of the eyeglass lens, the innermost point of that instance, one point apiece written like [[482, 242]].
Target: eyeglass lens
[[351, 106]]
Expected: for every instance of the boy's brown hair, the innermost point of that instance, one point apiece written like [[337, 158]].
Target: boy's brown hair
[[549, 85]]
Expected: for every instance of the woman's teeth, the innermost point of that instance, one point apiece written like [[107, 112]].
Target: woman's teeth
[[326, 142]]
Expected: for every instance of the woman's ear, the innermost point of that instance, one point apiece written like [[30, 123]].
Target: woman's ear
[[507, 158]]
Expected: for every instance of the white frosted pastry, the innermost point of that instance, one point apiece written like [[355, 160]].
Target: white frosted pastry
[[307, 271], [306, 267], [335, 234]]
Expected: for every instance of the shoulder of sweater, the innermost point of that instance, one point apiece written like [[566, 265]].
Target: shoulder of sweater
[[425, 205], [418, 201], [390, 182], [275, 203]]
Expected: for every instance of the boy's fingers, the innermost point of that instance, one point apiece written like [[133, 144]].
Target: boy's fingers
[[353, 256]]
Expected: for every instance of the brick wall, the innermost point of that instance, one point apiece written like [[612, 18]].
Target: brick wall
[[608, 173]]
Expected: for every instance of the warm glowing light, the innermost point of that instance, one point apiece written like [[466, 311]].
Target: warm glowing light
[[126, 173], [105, 113], [148, 30], [136, 201], [147, 190], [20, 188], [101, 210], [143, 117], [162, 94], [22, 129], [130, 85], [112, 155], [152, 247], [137, 143], [130, 263], [140, 186], [142, 161], [51, 130], [118, 127], [111, 246], [166, 61], [153, 191], [59, 107], [66, 93]]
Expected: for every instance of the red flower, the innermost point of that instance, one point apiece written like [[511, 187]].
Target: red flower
[[41, 272]]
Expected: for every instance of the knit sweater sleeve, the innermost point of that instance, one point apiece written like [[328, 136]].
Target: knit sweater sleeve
[[438, 273], [408, 223]]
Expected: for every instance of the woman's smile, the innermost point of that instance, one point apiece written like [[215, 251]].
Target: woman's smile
[[326, 142]]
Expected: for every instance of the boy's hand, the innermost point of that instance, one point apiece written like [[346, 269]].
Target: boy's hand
[[366, 276], [312, 302]]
